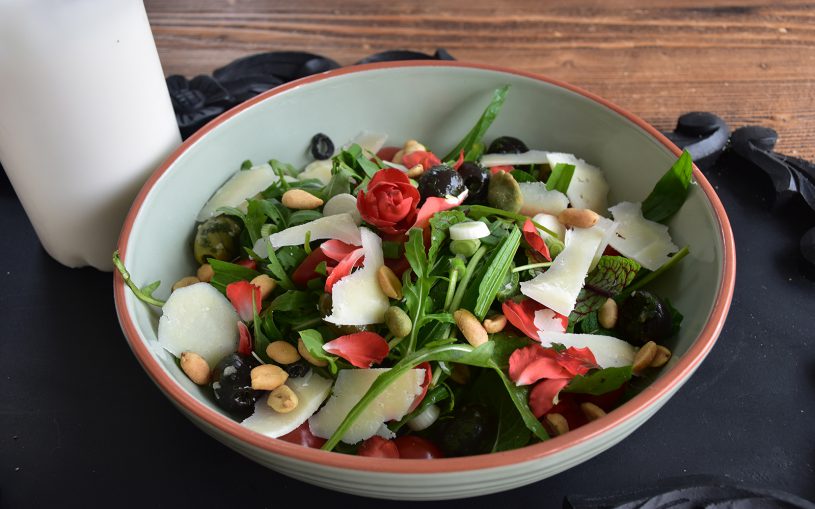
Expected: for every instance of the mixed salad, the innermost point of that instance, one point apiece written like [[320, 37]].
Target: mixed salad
[[388, 301]]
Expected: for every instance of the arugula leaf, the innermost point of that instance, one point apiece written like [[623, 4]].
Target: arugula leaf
[[609, 278], [478, 131], [313, 341], [294, 300], [511, 432], [522, 176], [354, 164], [647, 278], [304, 216], [259, 341], [246, 165], [415, 253], [282, 168], [599, 381], [340, 183], [144, 294], [496, 272], [391, 249], [670, 191], [440, 223], [676, 316], [290, 256], [560, 178], [226, 273], [590, 324]]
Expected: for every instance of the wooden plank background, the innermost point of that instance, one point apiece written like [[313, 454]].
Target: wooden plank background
[[750, 62]]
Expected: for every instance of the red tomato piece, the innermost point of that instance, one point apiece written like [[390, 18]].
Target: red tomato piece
[[303, 436], [417, 448], [248, 263], [378, 447], [305, 271]]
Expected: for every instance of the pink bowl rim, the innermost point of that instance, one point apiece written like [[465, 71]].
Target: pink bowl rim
[[665, 385]]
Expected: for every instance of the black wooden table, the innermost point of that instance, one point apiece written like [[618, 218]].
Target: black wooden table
[[81, 425]]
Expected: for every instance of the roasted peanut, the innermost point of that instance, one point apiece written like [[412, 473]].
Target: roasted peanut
[[282, 352], [195, 367], [495, 323], [398, 322], [283, 399], [301, 347], [578, 218], [300, 200], [205, 273], [592, 411], [468, 324], [661, 358], [558, 424], [389, 283], [607, 316], [268, 377], [265, 283], [185, 281], [644, 357], [415, 171]]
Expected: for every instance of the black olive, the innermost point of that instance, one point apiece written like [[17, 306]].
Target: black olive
[[321, 147], [644, 317], [232, 385], [477, 180], [440, 180], [507, 145], [471, 430], [297, 369]]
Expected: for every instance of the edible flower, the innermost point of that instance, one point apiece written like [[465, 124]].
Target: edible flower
[[241, 294], [425, 158], [522, 315], [535, 241], [362, 349], [390, 203], [245, 341], [549, 370], [344, 267], [436, 204]]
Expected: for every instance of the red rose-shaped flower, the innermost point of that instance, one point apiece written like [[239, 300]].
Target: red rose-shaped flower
[[390, 202]]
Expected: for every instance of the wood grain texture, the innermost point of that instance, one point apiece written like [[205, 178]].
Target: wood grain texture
[[750, 62]]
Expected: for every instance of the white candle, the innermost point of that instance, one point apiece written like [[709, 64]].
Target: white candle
[[85, 117]]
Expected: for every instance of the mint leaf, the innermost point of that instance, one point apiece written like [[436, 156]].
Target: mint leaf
[[600, 381], [560, 178], [610, 277], [480, 128], [670, 192]]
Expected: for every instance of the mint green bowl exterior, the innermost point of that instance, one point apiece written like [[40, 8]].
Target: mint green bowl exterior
[[435, 103]]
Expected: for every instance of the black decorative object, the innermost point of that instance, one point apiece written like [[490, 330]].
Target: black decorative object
[[792, 178], [203, 98], [702, 134], [690, 493]]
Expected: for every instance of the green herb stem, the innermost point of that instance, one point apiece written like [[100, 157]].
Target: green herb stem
[[468, 274], [479, 211], [143, 296], [655, 274], [451, 289], [532, 266]]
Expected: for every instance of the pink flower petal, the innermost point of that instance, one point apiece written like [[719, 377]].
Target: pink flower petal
[[548, 320], [240, 295], [245, 341], [505, 168], [459, 161], [522, 315], [542, 396], [428, 377], [337, 249], [533, 238], [344, 268], [426, 159], [577, 361], [523, 357], [539, 369], [362, 349], [435, 204]]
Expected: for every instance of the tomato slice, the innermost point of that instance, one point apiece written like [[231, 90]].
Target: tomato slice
[[417, 448], [303, 436], [378, 447]]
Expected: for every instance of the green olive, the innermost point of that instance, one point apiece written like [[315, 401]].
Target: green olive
[[504, 193], [217, 237], [398, 322]]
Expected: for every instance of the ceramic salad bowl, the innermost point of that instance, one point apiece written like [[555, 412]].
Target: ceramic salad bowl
[[426, 101]]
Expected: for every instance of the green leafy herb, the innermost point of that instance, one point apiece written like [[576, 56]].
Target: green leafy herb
[[354, 164], [670, 192], [440, 223], [226, 273], [522, 176], [304, 216], [590, 324], [435, 395], [609, 278], [600, 381], [676, 317], [313, 341], [479, 211], [282, 168], [511, 431], [496, 272], [246, 165], [642, 281], [340, 183], [259, 341], [290, 256], [478, 131], [293, 300], [391, 249], [560, 178], [144, 294]]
